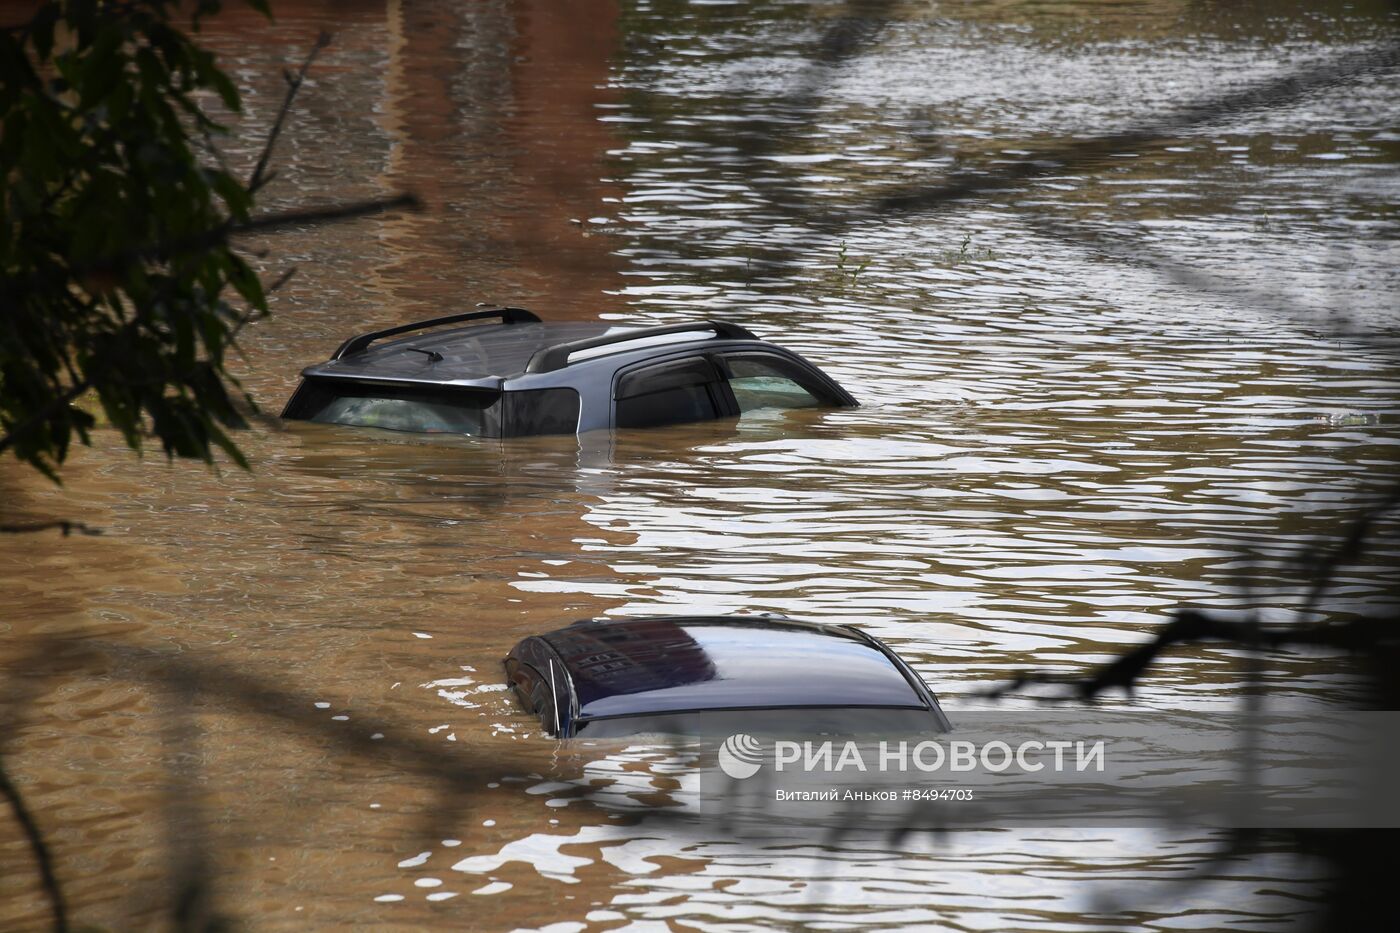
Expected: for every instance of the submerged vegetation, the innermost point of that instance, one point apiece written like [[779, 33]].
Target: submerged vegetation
[[848, 268], [966, 253]]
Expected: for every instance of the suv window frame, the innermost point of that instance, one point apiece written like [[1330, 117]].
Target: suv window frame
[[815, 383], [725, 404], [829, 392]]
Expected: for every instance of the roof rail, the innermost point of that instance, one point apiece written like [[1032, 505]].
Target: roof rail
[[507, 315], [549, 359]]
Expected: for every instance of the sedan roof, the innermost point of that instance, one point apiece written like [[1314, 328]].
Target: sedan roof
[[643, 666]]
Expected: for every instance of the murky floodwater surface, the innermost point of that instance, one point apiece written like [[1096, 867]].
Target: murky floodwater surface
[[1126, 386]]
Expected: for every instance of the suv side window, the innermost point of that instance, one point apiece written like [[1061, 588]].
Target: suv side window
[[760, 380], [675, 392]]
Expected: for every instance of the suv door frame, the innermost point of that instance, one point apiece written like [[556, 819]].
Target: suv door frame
[[715, 356], [726, 405]]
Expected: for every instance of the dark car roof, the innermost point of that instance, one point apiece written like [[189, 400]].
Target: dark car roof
[[653, 665], [468, 353]]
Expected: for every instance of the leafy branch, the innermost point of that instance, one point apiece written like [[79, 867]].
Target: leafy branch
[[119, 272]]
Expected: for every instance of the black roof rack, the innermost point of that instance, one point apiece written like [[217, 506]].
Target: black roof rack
[[507, 315], [549, 359]]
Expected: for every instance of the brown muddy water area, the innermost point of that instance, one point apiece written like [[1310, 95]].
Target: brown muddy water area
[[1121, 388]]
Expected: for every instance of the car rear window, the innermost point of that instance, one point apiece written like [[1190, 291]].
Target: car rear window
[[398, 408]]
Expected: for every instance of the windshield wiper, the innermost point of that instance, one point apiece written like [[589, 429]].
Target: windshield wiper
[[432, 355]]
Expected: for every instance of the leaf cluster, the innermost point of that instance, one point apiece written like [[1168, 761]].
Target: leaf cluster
[[113, 278]]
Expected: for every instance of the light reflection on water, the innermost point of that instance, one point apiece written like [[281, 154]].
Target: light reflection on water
[[1056, 448]]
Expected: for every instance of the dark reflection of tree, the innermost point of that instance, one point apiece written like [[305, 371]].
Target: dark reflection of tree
[[1359, 897], [1360, 861], [183, 688]]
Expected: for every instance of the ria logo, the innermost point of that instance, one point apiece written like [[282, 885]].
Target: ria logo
[[741, 756]]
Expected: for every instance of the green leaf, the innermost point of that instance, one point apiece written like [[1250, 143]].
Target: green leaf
[[97, 72], [210, 74]]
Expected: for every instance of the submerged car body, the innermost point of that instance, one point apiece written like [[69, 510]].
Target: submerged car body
[[605, 678], [502, 372]]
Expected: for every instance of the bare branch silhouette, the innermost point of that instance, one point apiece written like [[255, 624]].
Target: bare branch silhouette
[[294, 81], [43, 858], [1374, 635], [67, 527]]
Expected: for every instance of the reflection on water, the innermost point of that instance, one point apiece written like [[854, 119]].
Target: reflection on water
[[1056, 447]]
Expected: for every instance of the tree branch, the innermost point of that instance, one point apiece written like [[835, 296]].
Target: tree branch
[[311, 215], [40, 849], [1192, 626], [67, 527], [15, 289]]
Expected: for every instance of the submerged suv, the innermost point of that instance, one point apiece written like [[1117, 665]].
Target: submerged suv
[[506, 373]]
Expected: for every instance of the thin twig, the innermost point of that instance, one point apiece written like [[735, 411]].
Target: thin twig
[[294, 82], [1351, 548], [67, 527], [282, 279], [212, 148], [1193, 626], [253, 314], [318, 215]]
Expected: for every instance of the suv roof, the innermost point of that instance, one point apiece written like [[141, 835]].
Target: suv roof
[[485, 355], [626, 673], [462, 362]]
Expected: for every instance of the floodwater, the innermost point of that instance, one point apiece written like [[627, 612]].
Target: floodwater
[[1126, 386]]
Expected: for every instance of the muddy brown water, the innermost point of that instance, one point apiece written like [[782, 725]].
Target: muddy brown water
[[1123, 388]]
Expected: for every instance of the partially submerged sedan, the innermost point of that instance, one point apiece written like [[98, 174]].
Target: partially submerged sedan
[[688, 675], [502, 372]]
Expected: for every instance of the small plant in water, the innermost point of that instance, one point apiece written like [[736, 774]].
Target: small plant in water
[[964, 253], [847, 268]]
